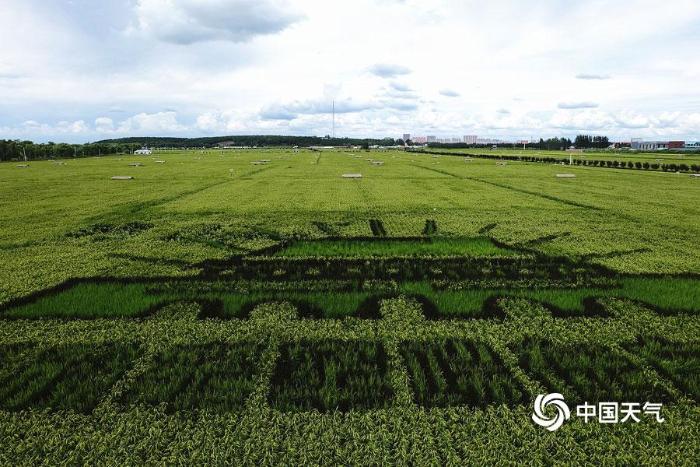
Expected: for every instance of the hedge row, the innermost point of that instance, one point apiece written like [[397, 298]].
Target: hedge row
[[613, 164]]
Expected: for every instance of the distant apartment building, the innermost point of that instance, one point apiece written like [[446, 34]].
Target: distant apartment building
[[649, 145], [488, 141], [469, 139], [642, 145], [406, 136], [431, 139], [419, 140]]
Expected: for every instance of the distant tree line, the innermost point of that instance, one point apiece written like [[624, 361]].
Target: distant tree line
[[581, 142], [26, 150], [252, 140], [588, 141]]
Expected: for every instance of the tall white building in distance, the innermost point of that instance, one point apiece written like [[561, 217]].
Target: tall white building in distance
[[470, 139], [406, 136]]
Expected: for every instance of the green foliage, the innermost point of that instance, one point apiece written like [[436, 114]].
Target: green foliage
[[677, 361], [89, 301], [452, 372], [68, 377], [275, 388], [587, 373], [430, 227], [478, 246], [214, 376], [130, 228], [331, 375], [319, 299]]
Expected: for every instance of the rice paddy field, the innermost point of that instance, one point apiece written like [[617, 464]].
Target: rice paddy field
[[255, 307]]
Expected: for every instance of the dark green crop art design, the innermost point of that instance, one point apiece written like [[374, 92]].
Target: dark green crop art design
[[215, 376], [677, 361], [587, 373], [452, 372], [67, 377], [331, 375]]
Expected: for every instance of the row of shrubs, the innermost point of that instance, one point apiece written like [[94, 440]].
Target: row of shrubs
[[614, 164]]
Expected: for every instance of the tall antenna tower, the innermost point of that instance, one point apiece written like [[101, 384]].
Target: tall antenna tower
[[333, 132]]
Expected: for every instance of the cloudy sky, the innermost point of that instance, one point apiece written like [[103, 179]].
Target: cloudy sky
[[82, 70]]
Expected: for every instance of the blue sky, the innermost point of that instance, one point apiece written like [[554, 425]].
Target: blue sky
[[81, 70]]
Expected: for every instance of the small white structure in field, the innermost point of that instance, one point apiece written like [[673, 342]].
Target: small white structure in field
[[160, 162], [143, 152], [122, 177], [352, 175], [136, 164], [695, 175], [377, 163], [23, 166], [566, 175]]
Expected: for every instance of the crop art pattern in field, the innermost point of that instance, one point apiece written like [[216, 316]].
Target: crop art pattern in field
[[587, 373], [331, 375], [215, 376], [456, 372], [677, 361], [71, 377], [211, 312]]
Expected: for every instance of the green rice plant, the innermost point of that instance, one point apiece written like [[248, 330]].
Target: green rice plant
[[68, 377], [88, 301], [186, 199], [450, 372], [430, 227], [677, 361], [360, 248], [329, 375], [586, 373], [213, 376], [129, 300], [668, 295], [377, 228], [103, 230]]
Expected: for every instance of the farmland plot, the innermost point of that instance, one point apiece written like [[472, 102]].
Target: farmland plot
[[213, 310]]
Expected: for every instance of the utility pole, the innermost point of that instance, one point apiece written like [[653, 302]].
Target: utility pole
[[333, 132]]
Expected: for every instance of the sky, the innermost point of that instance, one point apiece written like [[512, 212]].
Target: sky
[[85, 70]]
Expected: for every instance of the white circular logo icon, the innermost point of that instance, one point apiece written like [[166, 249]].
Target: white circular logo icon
[[556, 400]]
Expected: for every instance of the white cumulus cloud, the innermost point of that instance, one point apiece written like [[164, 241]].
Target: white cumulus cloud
[[190, 21]]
